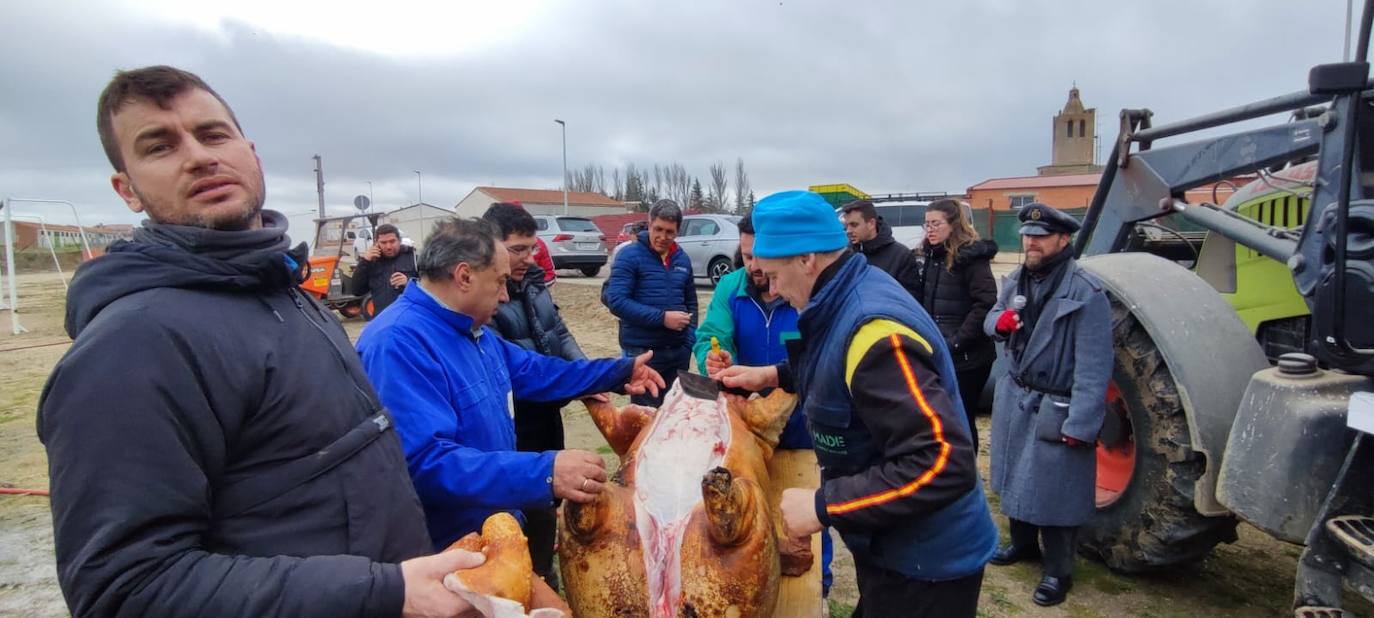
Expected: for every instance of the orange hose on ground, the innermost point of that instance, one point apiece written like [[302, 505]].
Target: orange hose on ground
[[22, 492]]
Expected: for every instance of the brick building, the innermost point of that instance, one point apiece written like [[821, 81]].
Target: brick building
[[539, 202], [32, 235], [1067, 183]]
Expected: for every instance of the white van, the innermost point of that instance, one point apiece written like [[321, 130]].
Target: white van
[[907, 222]]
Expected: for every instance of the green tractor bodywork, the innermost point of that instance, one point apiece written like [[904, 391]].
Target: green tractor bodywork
[[838, 194], [1260, 288]]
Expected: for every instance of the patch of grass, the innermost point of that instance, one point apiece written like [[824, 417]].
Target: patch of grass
[[1095, 575], [840, 610], [1000, 599], [1025, 572], [1079, 611]]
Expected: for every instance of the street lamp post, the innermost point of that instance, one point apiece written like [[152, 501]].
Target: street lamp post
[[564, 125], [420, 202]]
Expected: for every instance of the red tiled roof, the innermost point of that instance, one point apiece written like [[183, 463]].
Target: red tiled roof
[[549, 196], [1037, 182]]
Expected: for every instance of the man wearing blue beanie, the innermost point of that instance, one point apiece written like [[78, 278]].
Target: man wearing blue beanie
[[876, 382]]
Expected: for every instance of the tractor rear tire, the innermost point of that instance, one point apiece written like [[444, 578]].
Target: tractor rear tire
[[369, 308], [1152, 524]]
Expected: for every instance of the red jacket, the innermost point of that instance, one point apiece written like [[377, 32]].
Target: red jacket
[[545, 261]]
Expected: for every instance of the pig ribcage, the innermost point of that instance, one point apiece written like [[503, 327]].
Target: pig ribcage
[[688, 438]]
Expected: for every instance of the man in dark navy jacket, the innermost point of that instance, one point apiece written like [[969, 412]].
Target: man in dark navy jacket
[[899, 479], [214, 447], [651, 290]]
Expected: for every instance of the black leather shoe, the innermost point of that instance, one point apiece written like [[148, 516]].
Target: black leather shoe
[[1011, 554], [1052, 590]]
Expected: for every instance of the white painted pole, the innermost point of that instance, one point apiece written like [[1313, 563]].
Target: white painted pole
[[52, 249], [85, 244], [8, 207]]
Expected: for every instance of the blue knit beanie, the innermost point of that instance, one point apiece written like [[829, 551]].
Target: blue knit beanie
[[794, 223]]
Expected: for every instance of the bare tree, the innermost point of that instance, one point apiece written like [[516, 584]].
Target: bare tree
[[742, 191], [651, 194], [679, 183], [719, 187], [658, 180], [634, 192], [617, 185], [599, 180]]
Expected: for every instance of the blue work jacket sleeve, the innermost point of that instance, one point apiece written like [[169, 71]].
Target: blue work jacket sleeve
[[535, 377], [446, 472], [619, 293]]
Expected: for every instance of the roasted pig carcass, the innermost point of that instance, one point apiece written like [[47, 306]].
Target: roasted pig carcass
[[683, 527], [505, 585]]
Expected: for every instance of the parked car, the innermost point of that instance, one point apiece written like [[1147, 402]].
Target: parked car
[[574, 242], [629, 231], [711, 242], [908, 222]]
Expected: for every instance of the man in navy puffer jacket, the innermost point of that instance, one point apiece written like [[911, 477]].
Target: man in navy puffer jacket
[[651, 290]]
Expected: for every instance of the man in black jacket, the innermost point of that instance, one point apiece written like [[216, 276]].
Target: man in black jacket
[[870, 235], [214, 446], [385, 268], [531, 320]]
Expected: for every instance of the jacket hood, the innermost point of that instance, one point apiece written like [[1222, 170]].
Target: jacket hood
[[179, 256], [883, 239]]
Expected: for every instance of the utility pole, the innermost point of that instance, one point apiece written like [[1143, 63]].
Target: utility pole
[[319, 182], [564, 125], [420, 202]]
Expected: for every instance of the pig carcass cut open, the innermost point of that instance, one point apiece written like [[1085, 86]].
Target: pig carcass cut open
[[683, 527]]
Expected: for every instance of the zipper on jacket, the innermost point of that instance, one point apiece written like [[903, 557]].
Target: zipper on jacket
[[767, 329], [338, 354]]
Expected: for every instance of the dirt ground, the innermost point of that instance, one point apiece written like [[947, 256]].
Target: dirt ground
[[1252, 577]]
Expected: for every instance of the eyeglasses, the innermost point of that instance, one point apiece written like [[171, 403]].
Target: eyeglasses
[[935, 225], [519, 250]]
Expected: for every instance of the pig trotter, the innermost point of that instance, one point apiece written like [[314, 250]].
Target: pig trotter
[[619, 426], [729, 506]]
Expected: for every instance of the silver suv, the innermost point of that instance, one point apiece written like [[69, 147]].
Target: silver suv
[[710, 241], [574, 242]]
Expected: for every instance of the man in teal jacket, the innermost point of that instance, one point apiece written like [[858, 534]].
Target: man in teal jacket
[[752, 324], [449, 382]]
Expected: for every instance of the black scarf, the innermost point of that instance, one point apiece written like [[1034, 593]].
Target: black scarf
[[177, 256], [1051, 271]]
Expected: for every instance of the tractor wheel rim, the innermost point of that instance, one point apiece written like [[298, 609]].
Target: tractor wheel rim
[[1116, 462]]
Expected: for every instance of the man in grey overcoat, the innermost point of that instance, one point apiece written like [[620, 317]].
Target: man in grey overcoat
[[1049, 406]]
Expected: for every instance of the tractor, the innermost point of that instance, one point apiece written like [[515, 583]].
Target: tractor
[[338, 243], [1243, 382]]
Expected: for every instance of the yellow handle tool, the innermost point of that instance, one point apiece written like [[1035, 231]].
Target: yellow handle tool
[[715, 345]]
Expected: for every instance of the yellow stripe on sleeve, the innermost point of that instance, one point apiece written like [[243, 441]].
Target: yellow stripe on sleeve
[[868, 336]]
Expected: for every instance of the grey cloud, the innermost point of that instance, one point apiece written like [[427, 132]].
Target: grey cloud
[[888, 96]]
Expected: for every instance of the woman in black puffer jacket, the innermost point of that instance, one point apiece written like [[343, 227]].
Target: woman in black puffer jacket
[[957, 289]]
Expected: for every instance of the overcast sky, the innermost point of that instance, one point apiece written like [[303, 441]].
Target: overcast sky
[[887, 96]]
